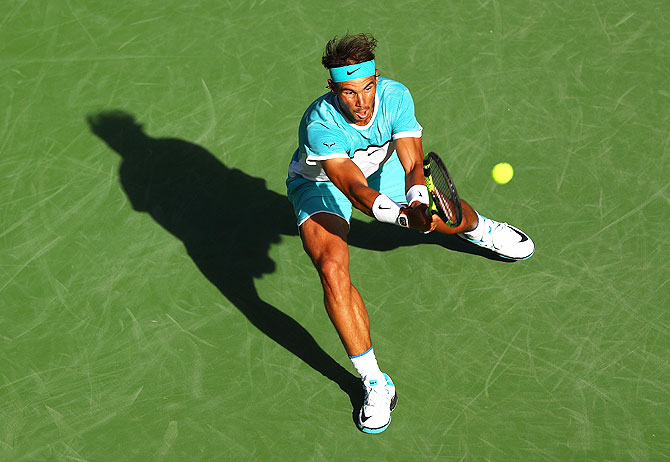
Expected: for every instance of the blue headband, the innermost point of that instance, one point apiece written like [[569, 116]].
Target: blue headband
[[354, 71]]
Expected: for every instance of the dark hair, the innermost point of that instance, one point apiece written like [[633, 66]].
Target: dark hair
[[350, 49]]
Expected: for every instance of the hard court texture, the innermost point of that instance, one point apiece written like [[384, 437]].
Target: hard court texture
[[156, 303]]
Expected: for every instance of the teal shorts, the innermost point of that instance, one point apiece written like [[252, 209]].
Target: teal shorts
[[310, 197]]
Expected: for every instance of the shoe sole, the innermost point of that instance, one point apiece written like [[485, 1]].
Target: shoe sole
[[506, 257], [512, 258], [374, 431]]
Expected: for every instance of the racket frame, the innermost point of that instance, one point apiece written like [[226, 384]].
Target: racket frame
[[430, 162]]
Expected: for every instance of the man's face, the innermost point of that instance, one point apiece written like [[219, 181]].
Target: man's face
[[357, 98]]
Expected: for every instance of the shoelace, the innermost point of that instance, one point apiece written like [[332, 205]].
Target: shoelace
[[377, 396]]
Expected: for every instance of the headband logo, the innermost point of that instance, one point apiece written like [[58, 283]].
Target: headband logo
[[344, 73]]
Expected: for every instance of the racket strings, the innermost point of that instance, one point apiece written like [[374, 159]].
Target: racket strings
[[446, 203], [443, 195]]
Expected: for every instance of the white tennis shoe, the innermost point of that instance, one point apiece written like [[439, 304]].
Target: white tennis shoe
[[380, 401], [505, 240]]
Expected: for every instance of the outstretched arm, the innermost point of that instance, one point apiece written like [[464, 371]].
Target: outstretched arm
[[349, 179], [410, 153]]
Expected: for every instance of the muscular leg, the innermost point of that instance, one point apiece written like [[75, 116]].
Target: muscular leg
[[324, 237]]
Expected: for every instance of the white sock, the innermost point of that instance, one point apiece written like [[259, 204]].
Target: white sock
[[366, 365]]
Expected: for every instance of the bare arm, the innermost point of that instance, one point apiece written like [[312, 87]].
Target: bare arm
[[350, 180], [410, 153]]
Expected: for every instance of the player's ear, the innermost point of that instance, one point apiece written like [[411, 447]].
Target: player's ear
[[333, 86]]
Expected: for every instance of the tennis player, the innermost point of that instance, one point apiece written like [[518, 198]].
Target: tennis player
[[360, 145]]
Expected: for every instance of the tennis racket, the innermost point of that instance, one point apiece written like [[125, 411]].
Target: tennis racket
[[444, 200]]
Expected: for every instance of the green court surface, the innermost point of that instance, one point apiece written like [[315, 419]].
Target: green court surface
[[156, 303]]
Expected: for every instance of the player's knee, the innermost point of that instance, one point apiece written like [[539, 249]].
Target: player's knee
[[332, 270]]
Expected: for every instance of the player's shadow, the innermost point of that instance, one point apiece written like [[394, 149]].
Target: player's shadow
[[382, 237], [227, 221]]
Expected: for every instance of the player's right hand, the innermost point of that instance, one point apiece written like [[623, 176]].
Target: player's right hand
[[420, 219]]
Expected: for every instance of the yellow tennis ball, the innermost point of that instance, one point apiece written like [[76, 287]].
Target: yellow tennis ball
[[502, 173]]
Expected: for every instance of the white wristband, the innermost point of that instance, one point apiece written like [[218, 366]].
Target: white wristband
[[386, 210], [418, 192]]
